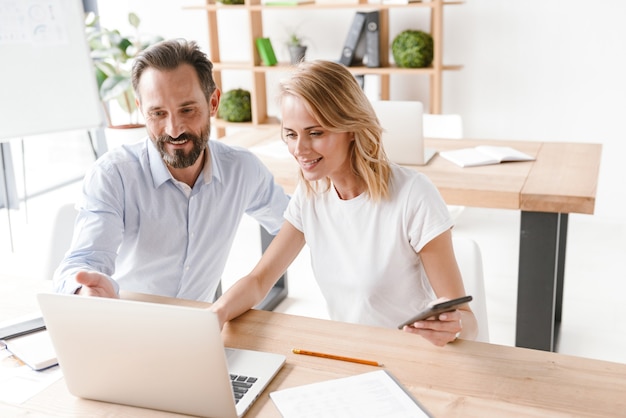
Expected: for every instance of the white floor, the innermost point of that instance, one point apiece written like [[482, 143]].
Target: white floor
[[594, 311]]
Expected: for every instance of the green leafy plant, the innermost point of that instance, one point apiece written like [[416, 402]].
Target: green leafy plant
[[296, 47], [413, 49], [112, 54], [230, 1], [235, 106], [294, 39]]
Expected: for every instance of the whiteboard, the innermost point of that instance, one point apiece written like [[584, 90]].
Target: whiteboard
[[47, 81]]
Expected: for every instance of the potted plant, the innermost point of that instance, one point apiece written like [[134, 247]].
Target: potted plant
[[413, 49], [235, 106], [297, 49], [112, 54]]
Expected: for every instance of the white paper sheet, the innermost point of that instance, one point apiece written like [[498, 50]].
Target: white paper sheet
[[368, 395], [18, 382]]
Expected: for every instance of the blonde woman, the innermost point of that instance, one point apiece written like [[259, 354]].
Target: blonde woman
[[379, 234]]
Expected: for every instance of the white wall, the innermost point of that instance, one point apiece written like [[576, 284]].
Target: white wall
[[537, 70]]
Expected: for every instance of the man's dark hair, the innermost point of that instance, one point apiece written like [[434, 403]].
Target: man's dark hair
[[168, 55]]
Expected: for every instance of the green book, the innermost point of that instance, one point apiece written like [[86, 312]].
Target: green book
[[264, 46]]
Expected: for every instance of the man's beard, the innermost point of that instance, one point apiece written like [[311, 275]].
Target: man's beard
[[179, 159]]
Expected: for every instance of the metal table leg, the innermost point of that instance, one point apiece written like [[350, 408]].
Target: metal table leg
[[279, 292], [543, 238]]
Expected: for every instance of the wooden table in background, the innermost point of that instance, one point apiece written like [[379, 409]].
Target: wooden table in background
[[562, 180]]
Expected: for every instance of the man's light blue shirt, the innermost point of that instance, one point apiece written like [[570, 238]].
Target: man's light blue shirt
[[153, 234]]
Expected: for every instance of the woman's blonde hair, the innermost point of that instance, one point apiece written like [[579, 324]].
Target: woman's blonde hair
[[335, 99]]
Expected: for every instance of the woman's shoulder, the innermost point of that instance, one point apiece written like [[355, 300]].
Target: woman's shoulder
[[409, 183]]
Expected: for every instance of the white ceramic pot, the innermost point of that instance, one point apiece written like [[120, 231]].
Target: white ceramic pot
[[125, 134]]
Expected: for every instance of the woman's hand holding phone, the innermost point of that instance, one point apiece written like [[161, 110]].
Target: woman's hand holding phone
[[444, 328]]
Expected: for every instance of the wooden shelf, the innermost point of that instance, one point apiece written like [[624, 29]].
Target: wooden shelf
[[390, 70], [362, 5], [258, 71]]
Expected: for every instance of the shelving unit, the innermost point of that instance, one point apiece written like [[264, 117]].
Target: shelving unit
[[255, 10]]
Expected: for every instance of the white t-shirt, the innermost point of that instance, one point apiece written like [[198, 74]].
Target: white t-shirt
[[364, 254]]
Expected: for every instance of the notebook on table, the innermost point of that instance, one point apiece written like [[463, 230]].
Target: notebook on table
[[403, 131], [34, 349], [155, 356]]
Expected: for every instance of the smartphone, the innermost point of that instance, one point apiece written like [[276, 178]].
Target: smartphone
[[437, 309]]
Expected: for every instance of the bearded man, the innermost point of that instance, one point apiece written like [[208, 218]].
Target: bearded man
[[160, 216]]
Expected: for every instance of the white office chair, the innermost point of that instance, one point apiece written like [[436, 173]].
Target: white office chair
[[469, 259], [448, 126], [60, 237]]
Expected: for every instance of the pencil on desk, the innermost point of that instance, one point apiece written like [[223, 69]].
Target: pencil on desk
[[335, 357]]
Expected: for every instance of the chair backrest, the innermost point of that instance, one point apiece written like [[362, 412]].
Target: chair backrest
[[60, 237], [469, 259], [449, 126]]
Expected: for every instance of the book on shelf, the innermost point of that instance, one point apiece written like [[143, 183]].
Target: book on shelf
[[484, 155], [362, 44], [354, 47], [266, 52], [372, 39]]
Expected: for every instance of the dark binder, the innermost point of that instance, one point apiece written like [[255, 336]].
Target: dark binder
[[354, 46], [372, 39]]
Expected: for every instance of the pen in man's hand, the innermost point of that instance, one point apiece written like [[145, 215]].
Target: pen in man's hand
[[335, 357]]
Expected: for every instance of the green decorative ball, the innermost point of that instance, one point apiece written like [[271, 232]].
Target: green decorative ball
[[235, 106], [413, 49]]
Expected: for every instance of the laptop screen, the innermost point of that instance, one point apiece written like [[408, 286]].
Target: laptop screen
[[403, 136]]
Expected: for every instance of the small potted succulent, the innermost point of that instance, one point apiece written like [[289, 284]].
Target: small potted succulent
[[297, 50]]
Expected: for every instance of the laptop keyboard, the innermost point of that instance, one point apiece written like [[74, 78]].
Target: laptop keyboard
[[241, 385]]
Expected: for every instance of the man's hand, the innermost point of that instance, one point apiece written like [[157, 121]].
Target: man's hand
[[95, 284]]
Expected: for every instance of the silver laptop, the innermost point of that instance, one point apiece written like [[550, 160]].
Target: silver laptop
[[151, 355], [403, 132]]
